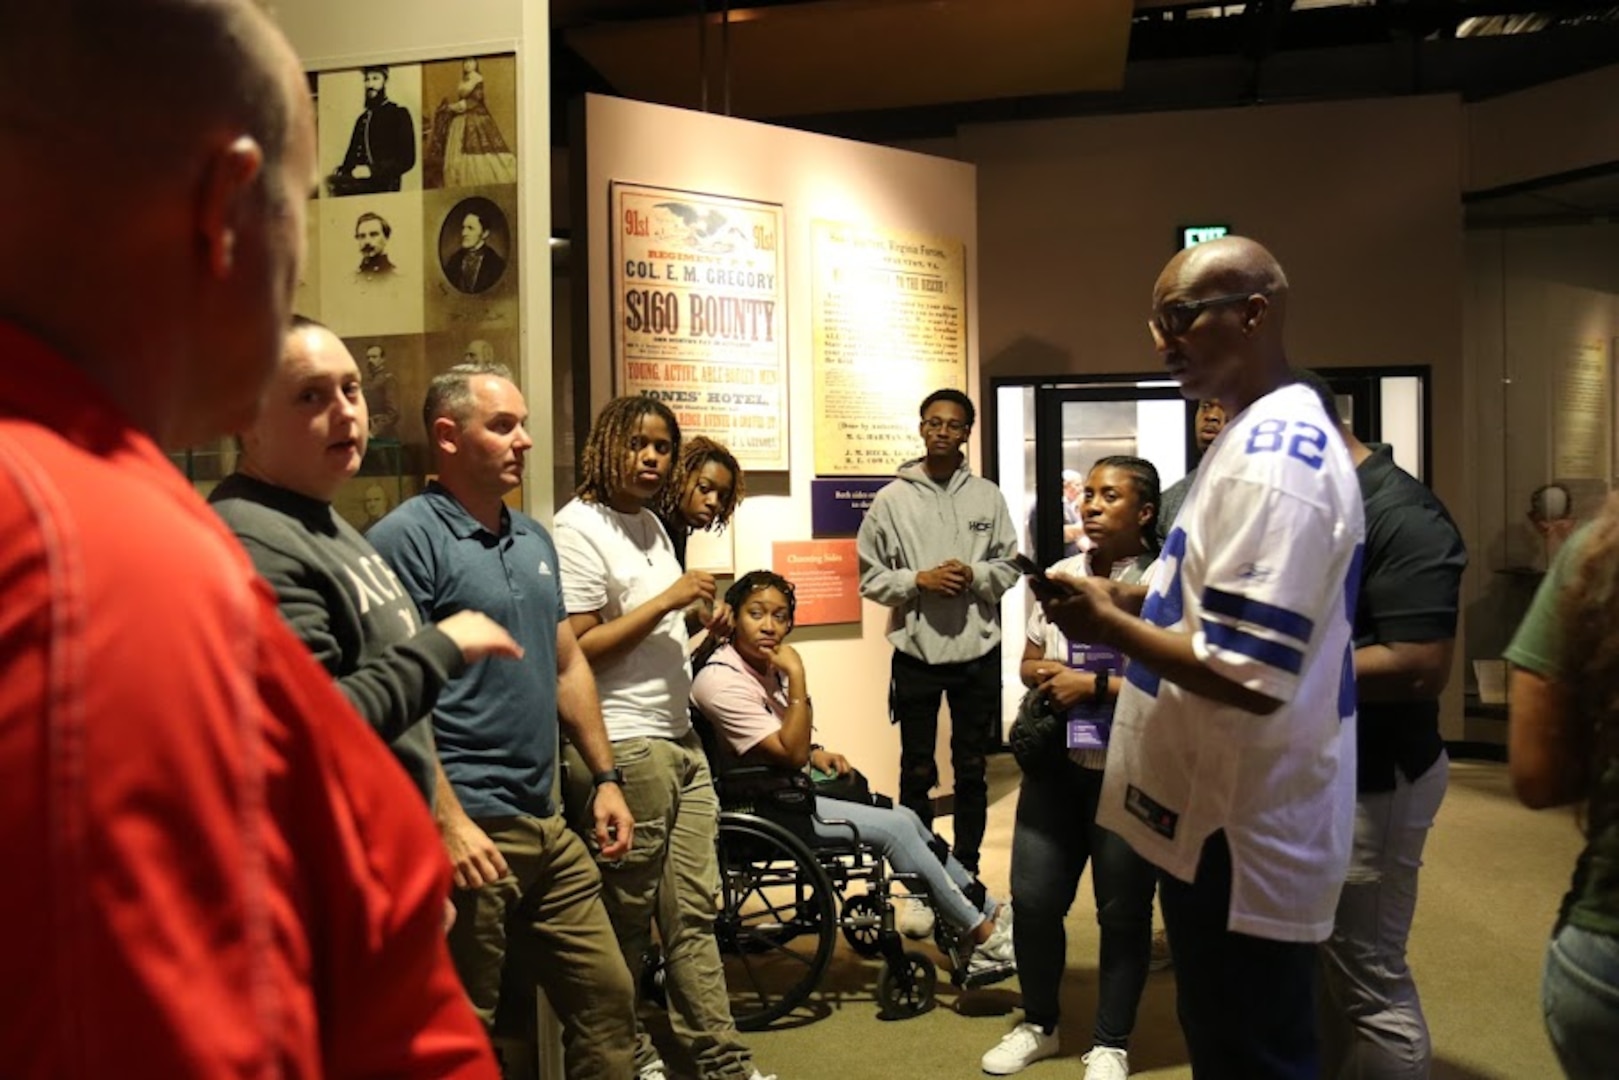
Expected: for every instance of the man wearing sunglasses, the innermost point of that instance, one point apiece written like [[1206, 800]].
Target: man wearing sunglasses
[[935, 549], [1231, 763]]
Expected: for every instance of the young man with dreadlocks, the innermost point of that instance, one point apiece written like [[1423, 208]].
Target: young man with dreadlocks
[[626, 598]]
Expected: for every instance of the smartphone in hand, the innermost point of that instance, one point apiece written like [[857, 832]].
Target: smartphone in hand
[[1043, 586]]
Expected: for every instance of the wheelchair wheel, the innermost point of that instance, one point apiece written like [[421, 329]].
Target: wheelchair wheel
[[776, 925], [906, 990], [862, 921]]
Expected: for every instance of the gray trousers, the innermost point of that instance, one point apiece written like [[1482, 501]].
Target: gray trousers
[[1372, 1023]]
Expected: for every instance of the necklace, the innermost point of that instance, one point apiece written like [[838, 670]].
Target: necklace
[[645, 540]]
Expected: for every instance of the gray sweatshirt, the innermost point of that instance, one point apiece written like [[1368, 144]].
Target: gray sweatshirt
[[346, 605], [916, 524]]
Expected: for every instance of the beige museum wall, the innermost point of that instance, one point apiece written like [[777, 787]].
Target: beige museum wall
[[1360, 200], [330, 35], [813, 177], [1554, 128]]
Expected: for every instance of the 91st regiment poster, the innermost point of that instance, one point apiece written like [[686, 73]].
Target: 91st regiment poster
[[699, 317]]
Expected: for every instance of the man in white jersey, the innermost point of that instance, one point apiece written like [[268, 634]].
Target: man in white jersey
[[1232, 761]]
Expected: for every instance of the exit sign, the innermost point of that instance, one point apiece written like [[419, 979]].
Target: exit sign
[[1193, 235]]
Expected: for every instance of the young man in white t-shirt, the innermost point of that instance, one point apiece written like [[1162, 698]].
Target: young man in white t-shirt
[[1232, 761], [627, 600]]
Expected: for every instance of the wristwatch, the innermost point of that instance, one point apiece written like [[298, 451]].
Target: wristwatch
[[1100, 697], [615, 775]]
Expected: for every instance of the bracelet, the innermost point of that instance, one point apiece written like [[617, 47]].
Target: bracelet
[[1101, 688], [805, 700], [615, 775]]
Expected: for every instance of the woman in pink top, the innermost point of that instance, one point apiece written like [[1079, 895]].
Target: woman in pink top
[[754, 692]]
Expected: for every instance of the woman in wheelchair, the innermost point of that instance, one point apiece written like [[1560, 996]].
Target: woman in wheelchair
[[753, 692]]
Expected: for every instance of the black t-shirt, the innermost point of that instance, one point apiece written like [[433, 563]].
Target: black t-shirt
[[678, 535], [1410, 582]]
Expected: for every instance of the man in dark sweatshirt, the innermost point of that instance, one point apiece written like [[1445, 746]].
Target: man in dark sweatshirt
[[335, 591], [935, 549]]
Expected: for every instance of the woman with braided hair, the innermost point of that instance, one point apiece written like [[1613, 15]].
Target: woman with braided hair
[[705, 490], [1056, 833], [1563, 748], [753, 690]]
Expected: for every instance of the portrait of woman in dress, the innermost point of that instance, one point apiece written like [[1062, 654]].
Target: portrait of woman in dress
[[465, 147]]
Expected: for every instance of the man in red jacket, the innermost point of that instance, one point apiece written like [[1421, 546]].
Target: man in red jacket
[[215, 870]]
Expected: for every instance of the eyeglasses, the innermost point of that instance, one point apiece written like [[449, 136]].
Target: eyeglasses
[[934, 423], [1174, 319]]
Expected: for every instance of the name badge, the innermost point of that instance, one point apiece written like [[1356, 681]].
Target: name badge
[[1090, 723]]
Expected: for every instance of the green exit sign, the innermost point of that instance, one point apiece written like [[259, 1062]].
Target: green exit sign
[[1193, 235]]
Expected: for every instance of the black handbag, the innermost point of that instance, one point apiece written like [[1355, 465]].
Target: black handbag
[[853, 787], [1039, 737]]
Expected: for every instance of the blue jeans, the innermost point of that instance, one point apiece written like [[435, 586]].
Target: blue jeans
[[904, 841], [1580, 995], [1246, 1004], [1055, 835]]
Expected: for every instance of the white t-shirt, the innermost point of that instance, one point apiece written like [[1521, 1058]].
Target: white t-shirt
[[1261, 567], [613, 563], [1054, 644]]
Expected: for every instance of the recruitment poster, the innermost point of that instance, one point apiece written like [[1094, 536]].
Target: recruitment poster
[[699, 319], [890, 327]]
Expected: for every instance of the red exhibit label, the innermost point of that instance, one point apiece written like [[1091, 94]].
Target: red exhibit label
[[825, 576]]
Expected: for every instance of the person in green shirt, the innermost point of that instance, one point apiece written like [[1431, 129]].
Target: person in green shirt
[[1563, 749]]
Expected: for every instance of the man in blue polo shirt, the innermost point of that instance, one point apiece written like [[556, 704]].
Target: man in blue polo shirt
[[458, 547]]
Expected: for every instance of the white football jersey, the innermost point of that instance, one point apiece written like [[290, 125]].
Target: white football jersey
[[1262, 569]]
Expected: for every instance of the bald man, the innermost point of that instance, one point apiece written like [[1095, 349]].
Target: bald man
[[1231, 762], [217, 870]]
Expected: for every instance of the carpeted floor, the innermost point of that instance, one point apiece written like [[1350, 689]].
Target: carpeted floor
[[1494, 875]]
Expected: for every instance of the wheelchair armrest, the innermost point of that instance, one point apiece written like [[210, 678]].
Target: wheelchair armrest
[[841, 823], [730, 784]]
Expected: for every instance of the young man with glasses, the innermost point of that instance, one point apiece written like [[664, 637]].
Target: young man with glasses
[[935, 549], [1231, 761]]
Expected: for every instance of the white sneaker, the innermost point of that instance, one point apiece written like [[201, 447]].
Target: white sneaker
[[757, 1075], [653, 1070], [1106, 1063], [980, 965], [1023, 1046], [915, 920]]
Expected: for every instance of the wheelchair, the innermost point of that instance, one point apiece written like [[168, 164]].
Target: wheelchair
[[785, 897]]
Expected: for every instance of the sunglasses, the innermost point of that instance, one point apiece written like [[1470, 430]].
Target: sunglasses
[[1174, 319]]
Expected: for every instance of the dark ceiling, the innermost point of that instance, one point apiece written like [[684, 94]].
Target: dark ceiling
[[894, 70]]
